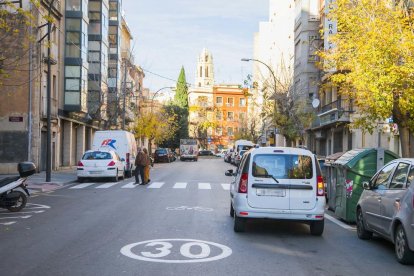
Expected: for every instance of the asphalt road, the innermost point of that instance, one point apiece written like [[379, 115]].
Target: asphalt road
[[173, 228]]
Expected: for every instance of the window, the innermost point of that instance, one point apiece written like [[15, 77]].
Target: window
[[382, 178], [410, 178], [230, 116], [206, 73], [73, 5], [242, 102], [242, 116], [230, 102], [73, 24], [229, 131], [400, 176], [219, 115], [201, 71], [283, 166], [72, 71], [219, 101], [219, 131]]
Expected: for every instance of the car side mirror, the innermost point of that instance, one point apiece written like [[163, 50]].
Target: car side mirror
[[366, 185], [229, 173]]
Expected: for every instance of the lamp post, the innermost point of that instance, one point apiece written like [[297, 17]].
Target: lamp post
[[156, 93]]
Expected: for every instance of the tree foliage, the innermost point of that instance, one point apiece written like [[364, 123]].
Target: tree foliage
[[181, 93], [373, 60]]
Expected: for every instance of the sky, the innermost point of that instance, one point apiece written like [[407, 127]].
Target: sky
[[169, 34]]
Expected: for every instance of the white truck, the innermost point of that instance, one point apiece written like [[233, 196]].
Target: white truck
[[188, 149], [123, 142], [238, 146]]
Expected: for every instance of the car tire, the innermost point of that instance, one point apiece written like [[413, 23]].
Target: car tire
[[20, 204], [402, 251], [239, 224], [80, 179], [316, 227], [362, 231], [231, 210]]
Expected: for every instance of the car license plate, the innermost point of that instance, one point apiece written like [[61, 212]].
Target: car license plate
[[271, 192], [95, 172]]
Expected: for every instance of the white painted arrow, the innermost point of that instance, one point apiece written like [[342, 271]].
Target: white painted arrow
[[7, 223], [23, 217]]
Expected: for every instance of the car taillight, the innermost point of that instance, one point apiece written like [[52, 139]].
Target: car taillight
[[112, 163], [320, 189], [127, 158], [243, 183], [80, 164]]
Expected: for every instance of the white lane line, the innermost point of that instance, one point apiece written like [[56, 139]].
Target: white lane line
[[156, 185], [107, 185], [23, 217], [204, 186], [30, 212], [225, 186], [340, 223], [130, 185], [7, 223], [81, 186], [180, 185]]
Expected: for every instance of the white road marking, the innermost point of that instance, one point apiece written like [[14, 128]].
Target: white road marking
[[107, 185], [130, 185], [7, 223], [225, 186], [81, 186], [156, 185], [204, 186], [180, 185], [340, 223], [23, 217], [30, 212], [36, 206]]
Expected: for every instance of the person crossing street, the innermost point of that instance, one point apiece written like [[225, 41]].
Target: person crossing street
[[140, 165]]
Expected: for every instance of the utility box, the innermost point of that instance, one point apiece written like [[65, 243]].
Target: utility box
[[351, 169]]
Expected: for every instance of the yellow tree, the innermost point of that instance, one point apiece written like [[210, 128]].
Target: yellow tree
[[373, 61]]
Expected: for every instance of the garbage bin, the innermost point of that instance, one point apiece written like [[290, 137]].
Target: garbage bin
[[351, 169], [330, 177]]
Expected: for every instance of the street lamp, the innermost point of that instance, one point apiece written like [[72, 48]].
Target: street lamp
[[156, 93]]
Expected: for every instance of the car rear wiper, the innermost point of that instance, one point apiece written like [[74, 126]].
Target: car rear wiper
[[269, 176]]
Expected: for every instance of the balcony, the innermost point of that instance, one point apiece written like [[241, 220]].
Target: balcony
[[56, 7], [336, 111]]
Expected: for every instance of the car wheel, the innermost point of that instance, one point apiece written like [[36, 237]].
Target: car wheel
[[316, 227], [80, 179], [231, 210], [362, 232], [402, 251], [116, 177], [20, 203], [239, 224]]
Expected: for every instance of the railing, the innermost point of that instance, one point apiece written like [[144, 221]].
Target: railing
[[335, 111]]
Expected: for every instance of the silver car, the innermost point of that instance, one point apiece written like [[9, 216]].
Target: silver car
[[386, 207]]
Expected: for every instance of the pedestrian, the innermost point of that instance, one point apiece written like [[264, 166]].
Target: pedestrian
[[139, 166], [147, 163]]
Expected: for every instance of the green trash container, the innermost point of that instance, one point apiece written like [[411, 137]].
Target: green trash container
[[352, 168]]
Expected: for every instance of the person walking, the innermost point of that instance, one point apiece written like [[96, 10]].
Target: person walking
[[147, 167], [140, 161]]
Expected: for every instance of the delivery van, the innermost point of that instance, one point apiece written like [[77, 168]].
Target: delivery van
[[123, 142]]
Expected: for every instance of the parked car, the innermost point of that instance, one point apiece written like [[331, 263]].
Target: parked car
[[163, 155], [386, 207], [227, 155], [239, 157], [205, 153], [278, 183], [101, 163], [220, 153]]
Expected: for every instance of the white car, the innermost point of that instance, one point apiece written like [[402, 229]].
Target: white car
[[278, 183], [101, 163]]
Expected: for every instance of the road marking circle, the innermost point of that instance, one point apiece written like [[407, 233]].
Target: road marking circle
[[161, 248]]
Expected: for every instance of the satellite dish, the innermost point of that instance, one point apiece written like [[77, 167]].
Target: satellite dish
[[315, 103]]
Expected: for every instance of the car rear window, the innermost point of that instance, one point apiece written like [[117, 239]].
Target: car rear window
[[97, 155], [283, 166], [160, 151]]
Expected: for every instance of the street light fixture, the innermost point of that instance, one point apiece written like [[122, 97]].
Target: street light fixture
[[156, 93]]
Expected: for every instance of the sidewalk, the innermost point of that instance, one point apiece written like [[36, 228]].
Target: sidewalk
[[37, 182]]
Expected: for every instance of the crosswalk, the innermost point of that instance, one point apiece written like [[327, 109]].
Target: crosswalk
[[154, 185]]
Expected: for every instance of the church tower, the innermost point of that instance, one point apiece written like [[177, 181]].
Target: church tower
[[205, 70]]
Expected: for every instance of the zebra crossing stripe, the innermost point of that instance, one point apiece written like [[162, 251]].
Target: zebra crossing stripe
[[81, 186], [130, 185], [156, 185], [107, 185], [225, 186], [204, 186], [180, 185]]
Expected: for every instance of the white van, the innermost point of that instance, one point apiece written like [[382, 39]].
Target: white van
[[278, 183], [238, 146], [123, 142]]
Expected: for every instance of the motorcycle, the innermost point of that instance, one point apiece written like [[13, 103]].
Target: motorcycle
[[12, 198]]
